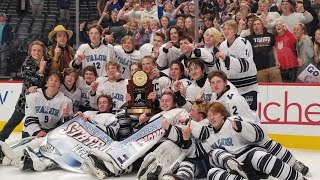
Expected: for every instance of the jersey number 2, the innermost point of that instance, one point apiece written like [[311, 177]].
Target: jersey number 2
[[235, 110]]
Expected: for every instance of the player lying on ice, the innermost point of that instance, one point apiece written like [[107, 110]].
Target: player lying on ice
[[232, 138], [106, 164]]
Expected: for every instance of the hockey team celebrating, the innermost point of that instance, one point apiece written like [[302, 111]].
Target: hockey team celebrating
[[205, 97]]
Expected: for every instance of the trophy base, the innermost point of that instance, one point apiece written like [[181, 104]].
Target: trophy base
[[139, 111]]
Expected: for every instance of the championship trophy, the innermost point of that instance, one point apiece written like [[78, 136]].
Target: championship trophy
[[139, 88]]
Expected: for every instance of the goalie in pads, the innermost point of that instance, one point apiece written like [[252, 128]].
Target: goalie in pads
[[165, 159]]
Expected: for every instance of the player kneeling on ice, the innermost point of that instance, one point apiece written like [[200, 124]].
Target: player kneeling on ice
[[110, 163], [238, 106], [45, 110], [198, 167], [172, 157], [102, 119], [238, 139]]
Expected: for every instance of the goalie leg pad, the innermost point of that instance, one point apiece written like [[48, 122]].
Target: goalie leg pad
[[163, 160], [35, 161], [6, 153]]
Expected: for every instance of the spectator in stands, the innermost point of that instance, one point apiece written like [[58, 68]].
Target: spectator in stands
[[131, 12], [180, 23], [286, 51], [150, 11], [100, 6], [304, 46], [290, 17], [316, 58], [264, 53], [168, 12], [34, 72], [266, 16], [64, 7], [189, 24], [246, 32], [60, 52], [6, 36], [165, 25], [220, 7], [36, 6]]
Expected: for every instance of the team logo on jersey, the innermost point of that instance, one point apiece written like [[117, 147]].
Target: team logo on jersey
[[249, 99], [280, 45]]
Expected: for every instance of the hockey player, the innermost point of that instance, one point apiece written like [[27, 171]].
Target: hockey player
[[189, 51], [45, 110], [198, 167], [169, 51], [236, 60], [199, 90], [153, 49], [89, 75], [70, 89], [159, 83], [116, 88], [237, 106], [126, 54], [102, 119], [229, 97], [240, 139], [178, 79], [99, 162], [96, 53]]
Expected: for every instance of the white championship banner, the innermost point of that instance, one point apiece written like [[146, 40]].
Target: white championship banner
[[310, 75], [125, 152], [69, 143]]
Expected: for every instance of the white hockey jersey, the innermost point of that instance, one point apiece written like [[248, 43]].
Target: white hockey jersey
[[117, 90], [172, 115], [194, 90], [160, 84], [166, 56], [203, 54], [125, 60], [239, 65], [185, 82], [85, 93], [236, 105], [96, 57], [74, 94], [108, 122], [147, 50], [43, 113], [234, 142]]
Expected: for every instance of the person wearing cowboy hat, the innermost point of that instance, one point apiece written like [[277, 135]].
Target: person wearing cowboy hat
[[6, 37], [60, 52]]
